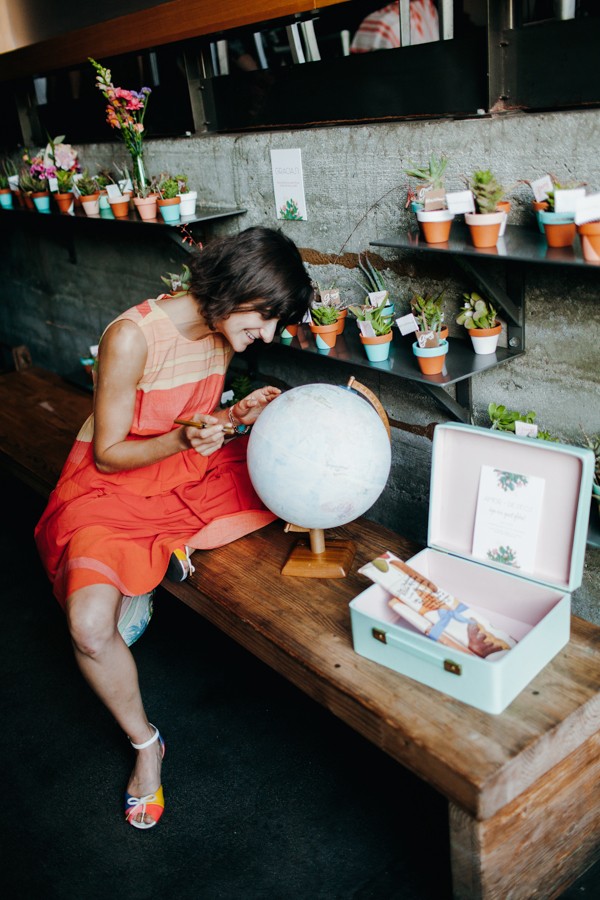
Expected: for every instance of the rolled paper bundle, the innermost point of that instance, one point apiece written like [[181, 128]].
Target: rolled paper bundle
[[433, 611]]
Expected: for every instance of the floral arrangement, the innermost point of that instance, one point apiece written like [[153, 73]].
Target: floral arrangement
[[125, 111], [34, 174]]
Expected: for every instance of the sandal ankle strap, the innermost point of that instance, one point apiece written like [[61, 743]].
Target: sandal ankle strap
[[147, 743]]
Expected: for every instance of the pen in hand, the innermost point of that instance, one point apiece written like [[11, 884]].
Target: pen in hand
[[228, 429]]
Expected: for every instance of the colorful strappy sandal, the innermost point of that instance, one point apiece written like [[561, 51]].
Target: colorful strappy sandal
[[152, 805], [180, 564]]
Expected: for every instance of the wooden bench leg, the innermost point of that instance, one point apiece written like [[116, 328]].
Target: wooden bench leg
[[538, 844]]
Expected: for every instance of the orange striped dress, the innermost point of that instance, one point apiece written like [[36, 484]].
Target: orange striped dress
[[121, 528]]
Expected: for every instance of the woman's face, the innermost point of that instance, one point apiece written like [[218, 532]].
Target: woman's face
[[246, 326]]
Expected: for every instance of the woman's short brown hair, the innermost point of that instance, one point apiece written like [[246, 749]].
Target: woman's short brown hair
[[259, 268]]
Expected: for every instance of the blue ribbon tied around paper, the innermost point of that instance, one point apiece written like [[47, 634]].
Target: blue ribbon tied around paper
[[445, 618]]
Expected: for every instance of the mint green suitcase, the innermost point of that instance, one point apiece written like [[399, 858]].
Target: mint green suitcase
[[533, 604]]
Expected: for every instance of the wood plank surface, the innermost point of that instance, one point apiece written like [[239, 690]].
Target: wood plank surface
[[301, 627], [536, 845], [40, 415]]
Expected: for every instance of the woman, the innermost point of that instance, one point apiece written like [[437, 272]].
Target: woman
[[136, 486]]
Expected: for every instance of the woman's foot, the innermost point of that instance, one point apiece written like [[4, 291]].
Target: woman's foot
[[144, 802]]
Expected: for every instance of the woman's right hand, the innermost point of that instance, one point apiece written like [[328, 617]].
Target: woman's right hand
[[205, 440]]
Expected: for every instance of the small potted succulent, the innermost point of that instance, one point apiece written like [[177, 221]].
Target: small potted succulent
[[169, 200], [429, 201], [145, 200], [324, 325], [89, 193], [26, 187], [480, 319], [40, 191], [64, 194], [428, 310], [375, 329], [331, 296], [6, 200], [559, 227], [177, 282], [187, 206], [485, 224], [374, 285]]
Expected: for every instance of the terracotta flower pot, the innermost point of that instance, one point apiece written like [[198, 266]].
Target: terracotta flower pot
[[485, 340], [64, 202], [147, 207], [28, 200], [435, 225], [90, 203], [325, 335], [559, 228], [431, 360], [120, 208], [341, 322], [289, 332], [589, 235], [484, 228], [377, 347]]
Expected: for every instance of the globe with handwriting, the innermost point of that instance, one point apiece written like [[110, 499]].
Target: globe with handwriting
[[319, 456]]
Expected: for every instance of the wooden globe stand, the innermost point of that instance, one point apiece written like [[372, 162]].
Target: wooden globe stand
[[318, 558], [315, 557]]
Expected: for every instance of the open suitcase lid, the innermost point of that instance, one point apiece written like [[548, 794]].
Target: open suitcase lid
[[459, 453]]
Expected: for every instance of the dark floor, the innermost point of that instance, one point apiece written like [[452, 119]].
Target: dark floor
[[268, 796]]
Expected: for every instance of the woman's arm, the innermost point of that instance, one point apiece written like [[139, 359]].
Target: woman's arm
[[121, 360]]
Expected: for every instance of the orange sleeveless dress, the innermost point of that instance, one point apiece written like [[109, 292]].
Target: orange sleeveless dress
[[121, 528]]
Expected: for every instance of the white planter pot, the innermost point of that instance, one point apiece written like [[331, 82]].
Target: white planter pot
[[91, 207], [485, 340], [187, 207]]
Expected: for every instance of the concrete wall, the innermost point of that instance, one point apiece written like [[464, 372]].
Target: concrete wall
[[58, 307]]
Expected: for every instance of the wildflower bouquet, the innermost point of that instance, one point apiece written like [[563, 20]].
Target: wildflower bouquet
[[125, 111]]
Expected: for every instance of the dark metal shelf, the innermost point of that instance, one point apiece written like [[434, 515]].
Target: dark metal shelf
[[461, 363], [203, 214], [519, 244]]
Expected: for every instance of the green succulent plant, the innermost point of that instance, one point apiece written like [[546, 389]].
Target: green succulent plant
[[65, 181], [177, 282], [430, 174], [168, 187], [504, 419], [373, 314], [486, 190], [87, 185], [476, 312], [428, 309], [323, 314]]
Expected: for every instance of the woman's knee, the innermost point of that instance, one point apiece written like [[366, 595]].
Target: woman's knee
[[91, 618]]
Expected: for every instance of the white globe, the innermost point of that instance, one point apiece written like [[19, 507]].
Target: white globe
[[319, 456]]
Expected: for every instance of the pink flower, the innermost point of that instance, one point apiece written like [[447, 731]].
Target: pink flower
[[139, 127]]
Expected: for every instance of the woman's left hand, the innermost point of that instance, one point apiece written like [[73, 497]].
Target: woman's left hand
[[249, 409]]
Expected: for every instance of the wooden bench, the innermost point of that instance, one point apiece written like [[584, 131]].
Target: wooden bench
[[523, 788]]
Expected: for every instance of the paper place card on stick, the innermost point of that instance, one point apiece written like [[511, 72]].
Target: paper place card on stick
[[366, 329], [587, 209], [113, 192], [541, 187], [460, 202], [566, 201], [376, 298], [407, 324]]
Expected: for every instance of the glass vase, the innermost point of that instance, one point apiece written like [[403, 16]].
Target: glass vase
[[139, 171]]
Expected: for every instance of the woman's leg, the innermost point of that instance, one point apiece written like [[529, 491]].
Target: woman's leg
[[109, 668]]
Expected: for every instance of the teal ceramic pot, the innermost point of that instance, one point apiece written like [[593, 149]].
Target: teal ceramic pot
[[377, 348], [6, 200], [42, 202], [559, 228], [170, 212]]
